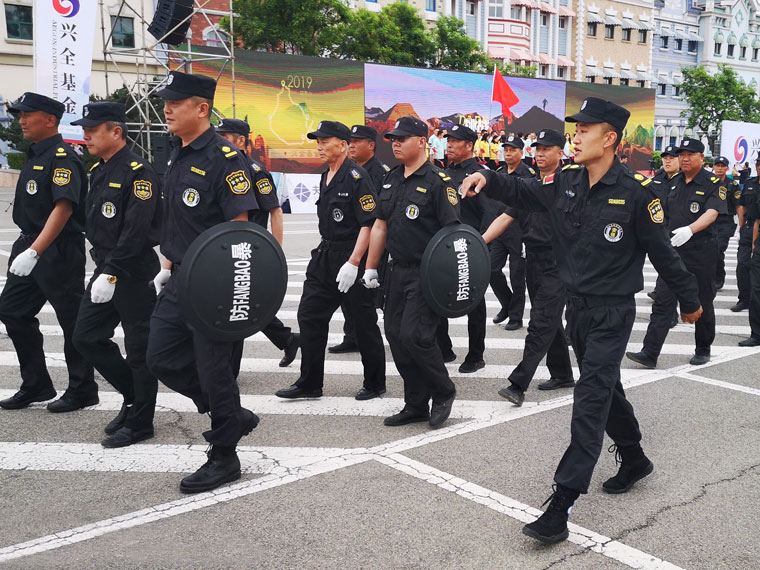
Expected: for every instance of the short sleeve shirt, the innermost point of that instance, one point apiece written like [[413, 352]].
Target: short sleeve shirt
[[266, 194], [686, 202], [347, 203]]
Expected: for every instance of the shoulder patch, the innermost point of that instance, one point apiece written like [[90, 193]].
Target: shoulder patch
[[136, 165], [94, 166], [356, 174], [647, 181], [227, 151], [264, 186], [714, 179], [238, 182], [452, 196], [61, 176], [443, 175], [386, 167], [256, 166], [367, 202], [571, 166], [722, 192], [639, 176], [533, 172], [143, 189], [655, 211]]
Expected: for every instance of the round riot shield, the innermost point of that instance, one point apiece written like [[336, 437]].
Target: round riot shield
[[455, 270], [232, 281]]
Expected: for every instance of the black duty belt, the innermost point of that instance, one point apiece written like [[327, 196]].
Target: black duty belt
[[404, 264], [598, 300], [344, 245]]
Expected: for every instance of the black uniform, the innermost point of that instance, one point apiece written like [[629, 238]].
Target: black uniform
[[684, 204], [546, 335], [749, 194], [600, 237], [345, 206], [725, 227], [414, 209], [377, 171], [753, 211], [123, 214], [52, 172], [267, 199], [509, 246], [207, 183]]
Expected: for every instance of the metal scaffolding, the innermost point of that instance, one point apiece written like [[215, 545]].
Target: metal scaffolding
[[144, 69]]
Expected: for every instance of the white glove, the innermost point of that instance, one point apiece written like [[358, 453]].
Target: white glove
[[736, 219], [101, 290], [24, 263], [161, 278], [346, 276], [681, 236], [370, 279]]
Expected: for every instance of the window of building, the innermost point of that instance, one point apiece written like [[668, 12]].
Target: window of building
[[626, 34], [471, 8], [729, 50], [561, 72], [591, 28], [661, 88], [664, 42], [718, 48], [562, 22], [592, 79], [515, 12], [123, 32], [18, 22], [692, 47], [672, 141], [544, 19], [676, 90], [755, 53], [657, 143], [624, 81], [678, 44], [608, 80], [495, 8], [609, 32], [743, 52], [544, 70], [642, 36], [214, 37], [641, 83], [430, 5]]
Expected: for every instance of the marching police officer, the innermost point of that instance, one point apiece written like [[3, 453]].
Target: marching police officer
[[207, 183], [670, 168], [754, 300], [236, 132], [47, 260], [508, 245], [604, 221], [123, 213], [346, 211], [361, 150], [725, 227], [546, 335], [415, 203], [744, 210], [694, 201]]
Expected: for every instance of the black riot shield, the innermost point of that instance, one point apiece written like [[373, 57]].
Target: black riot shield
[[232, 281], [455, 270]]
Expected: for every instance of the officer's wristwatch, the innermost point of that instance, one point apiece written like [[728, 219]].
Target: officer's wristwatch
[[111, 279]]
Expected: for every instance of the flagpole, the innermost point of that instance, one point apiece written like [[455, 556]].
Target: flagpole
[[493, 86]]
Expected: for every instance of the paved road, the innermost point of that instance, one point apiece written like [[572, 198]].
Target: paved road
[[326, 485]]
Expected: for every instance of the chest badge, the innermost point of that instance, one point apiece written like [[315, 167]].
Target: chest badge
[[694, 207], [613, 232], [61, 176], [191, 197], [412, 212], [31, 187], [337, 215], [108, 210]]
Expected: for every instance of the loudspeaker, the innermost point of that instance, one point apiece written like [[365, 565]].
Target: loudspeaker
[[168, 14]]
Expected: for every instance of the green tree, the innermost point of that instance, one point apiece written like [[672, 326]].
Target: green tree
[[13, 136], [454, 49], [714, 98], [287, 26]]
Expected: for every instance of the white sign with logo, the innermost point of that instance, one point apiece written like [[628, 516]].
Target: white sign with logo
[[740, 143], [63, 43], [302, 191]]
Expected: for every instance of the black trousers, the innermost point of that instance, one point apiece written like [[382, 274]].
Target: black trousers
[[476, 334], [277, 333], [319, 302], [349, 329], [503, 247], [599, 329], [202, 369], [699, 258], [725, 228], [743, 257], [132, 305], [57, 278], [754, 299], [410, 326], [546, 335]]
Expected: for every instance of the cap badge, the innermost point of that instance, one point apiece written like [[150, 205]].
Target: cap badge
[[86, 110], [22, 98], [455, 128], [584, 104], [319, 128], [353, 130], [397, 122], [685, 143], [541, 134], [510, 139], [171, 79]]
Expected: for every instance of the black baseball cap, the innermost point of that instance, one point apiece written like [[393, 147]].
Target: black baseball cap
[[363, 132], [691, 145], [721, 160], [596, 110], [462, 132], [514, 141], [236, 126], [35, 102], [184, 85], [327, 129], [670, 150], [94, 114], [549, 137], [408, 126]]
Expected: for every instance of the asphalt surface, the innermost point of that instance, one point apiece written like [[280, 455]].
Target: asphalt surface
[[326, 485]]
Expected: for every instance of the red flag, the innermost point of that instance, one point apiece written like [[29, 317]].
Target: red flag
[[503, 93]]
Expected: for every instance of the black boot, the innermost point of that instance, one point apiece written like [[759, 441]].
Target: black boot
[[551, 526], [634, 465], [223, 466]]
